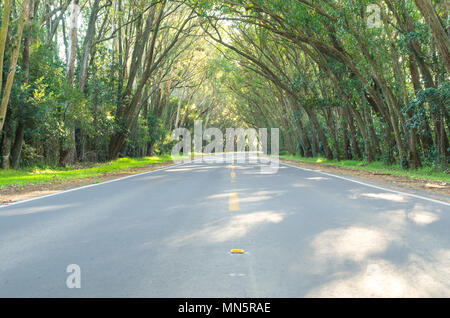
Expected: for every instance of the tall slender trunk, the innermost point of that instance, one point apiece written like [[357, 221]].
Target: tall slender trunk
[[315, 143], [426, 138], [14, 58], [6, 145], [321, 134], [393, 109], [437, 28], [355, 147], [67, 147], [303, 136], [411, 133], [16, 149], [346, 142], [7, 4], [304, 140], [331, 124], [87, 46]]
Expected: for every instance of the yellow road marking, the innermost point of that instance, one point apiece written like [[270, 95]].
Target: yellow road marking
[[233, 202], [233, 181], [237, 251], [233, 174]]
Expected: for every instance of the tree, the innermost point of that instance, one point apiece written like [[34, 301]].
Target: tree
[[14, 58], [436, 26]]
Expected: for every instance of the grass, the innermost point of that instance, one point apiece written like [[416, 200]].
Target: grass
[[425, 173], [32, 176]]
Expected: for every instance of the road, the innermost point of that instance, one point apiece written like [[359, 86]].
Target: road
[[169, 233]]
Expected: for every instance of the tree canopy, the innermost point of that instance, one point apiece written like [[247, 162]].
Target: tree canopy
[[92, 80]]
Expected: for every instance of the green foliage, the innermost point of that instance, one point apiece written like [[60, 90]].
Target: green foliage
[[273, 71]]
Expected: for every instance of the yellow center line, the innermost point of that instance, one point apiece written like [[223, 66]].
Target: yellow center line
[[233, 202], [233, 174]]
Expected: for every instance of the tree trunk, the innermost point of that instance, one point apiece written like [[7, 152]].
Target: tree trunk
[[73, 41], [16, 149], [67, 147], [356, 151], [305, 144], [14, 58], [3, 35], [435, 24], [331, 124], [19, 134], [315, 143], [321, 134], [344, 129], [6, 146], [87, 46]]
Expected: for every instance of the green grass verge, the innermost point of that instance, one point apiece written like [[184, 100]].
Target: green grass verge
[[425, 173], [47, 175]]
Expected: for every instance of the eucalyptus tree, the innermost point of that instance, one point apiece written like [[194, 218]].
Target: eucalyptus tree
[[160, 36], [14, 57], [338, 37], [94, 80]]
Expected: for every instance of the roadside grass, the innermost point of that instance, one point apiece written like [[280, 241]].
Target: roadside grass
[[32, 176], [35, 176], [425, 173]]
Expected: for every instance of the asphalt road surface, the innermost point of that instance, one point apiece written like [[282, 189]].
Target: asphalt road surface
[[169, 233]]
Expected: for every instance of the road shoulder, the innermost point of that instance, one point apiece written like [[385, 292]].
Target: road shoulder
[[13, 194], [432, 189]]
